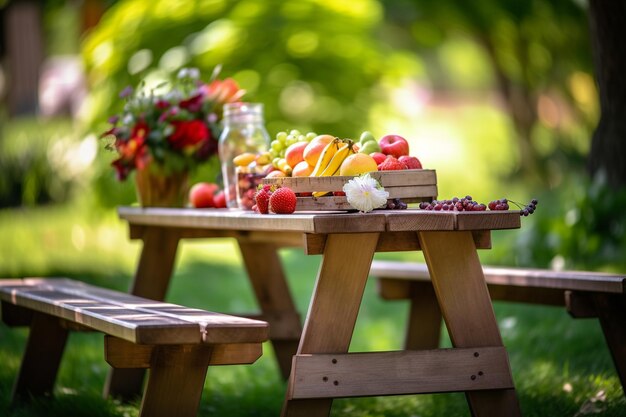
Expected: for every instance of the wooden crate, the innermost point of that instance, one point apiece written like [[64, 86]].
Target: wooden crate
[[411, 186]]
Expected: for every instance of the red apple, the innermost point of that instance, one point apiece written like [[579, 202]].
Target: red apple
[[379, 157], [411, 162], [219, 199], [201, 194], [394, 145]]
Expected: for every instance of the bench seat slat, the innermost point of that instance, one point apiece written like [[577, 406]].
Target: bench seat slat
[[520, 277], [128, 317]]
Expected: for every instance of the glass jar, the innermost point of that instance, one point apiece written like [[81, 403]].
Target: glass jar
[[244, 131]]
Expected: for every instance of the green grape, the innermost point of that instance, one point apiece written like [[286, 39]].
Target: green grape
[[291, 140], [276, 146], [310, 136], [294, 132], [281, 136]]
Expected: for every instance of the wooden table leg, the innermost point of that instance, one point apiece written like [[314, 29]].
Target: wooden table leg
[[42, 357], [424, 326], [466, 307], [151, 281], [334, 308], [272, 293]]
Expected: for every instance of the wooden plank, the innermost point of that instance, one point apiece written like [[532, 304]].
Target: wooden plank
[[218, 219], [412, 177], [15, 316], [175, 381], [488, 220], [463, 297], [350, 223], [278, 238], [130, 324], [391, 242], [132, 318], [41, 360], [515, 277], [272, 292], [120, 353], [402, 372], [334, 306], [416, 219], [406, 177]]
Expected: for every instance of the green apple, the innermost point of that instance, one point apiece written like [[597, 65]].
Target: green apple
[[368, 143], [369, 147], [366, 137]]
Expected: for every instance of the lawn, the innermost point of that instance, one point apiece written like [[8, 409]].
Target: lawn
[[561, 366]]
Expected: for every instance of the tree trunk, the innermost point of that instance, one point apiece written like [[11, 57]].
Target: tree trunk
[[25, 53], [608, 147]]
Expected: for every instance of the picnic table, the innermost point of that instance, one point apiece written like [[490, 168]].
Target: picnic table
[[315, 357]]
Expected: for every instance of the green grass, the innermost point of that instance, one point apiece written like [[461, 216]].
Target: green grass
[[561, 366]]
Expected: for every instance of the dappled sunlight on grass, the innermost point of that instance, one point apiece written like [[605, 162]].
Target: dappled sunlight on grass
[[63, 239]]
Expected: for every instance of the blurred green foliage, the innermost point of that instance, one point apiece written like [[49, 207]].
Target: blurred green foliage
[[484, 91], [42, 162], [583, 227], [536, 55], [312, 63]]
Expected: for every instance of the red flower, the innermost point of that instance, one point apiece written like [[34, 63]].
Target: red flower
[[188, 133], [133, 152], [193, 104]]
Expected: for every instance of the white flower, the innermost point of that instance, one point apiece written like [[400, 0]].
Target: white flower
[[365, 194]]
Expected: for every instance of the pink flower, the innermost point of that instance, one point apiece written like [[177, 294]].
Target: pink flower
[[223, 91]]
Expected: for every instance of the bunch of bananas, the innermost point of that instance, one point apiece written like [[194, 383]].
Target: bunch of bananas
[[331, 158]]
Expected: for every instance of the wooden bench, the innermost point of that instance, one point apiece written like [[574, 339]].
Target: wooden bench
[[584, 294], [175, 343]]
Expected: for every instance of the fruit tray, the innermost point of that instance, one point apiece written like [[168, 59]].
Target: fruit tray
[[410, 185]]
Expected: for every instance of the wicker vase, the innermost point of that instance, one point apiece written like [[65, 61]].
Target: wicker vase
[[155, 189]]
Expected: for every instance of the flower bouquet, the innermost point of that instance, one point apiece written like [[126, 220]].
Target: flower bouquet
[[165, 132]]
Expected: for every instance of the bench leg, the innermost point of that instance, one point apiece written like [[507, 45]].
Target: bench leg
[[424, 326], [272, 293], [44, 349], [175, 381], [152, 278], [611, 311]]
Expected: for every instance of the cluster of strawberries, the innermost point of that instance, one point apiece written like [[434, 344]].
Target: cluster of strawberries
[[269, 199]]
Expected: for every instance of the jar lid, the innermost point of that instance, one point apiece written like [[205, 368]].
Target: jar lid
[[243, 109]]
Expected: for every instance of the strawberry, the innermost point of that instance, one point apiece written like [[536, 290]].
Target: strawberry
[[262, 199], [391, 164], [283, 201]]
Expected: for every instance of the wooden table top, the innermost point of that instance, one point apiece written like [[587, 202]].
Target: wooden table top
[[322, 222]]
